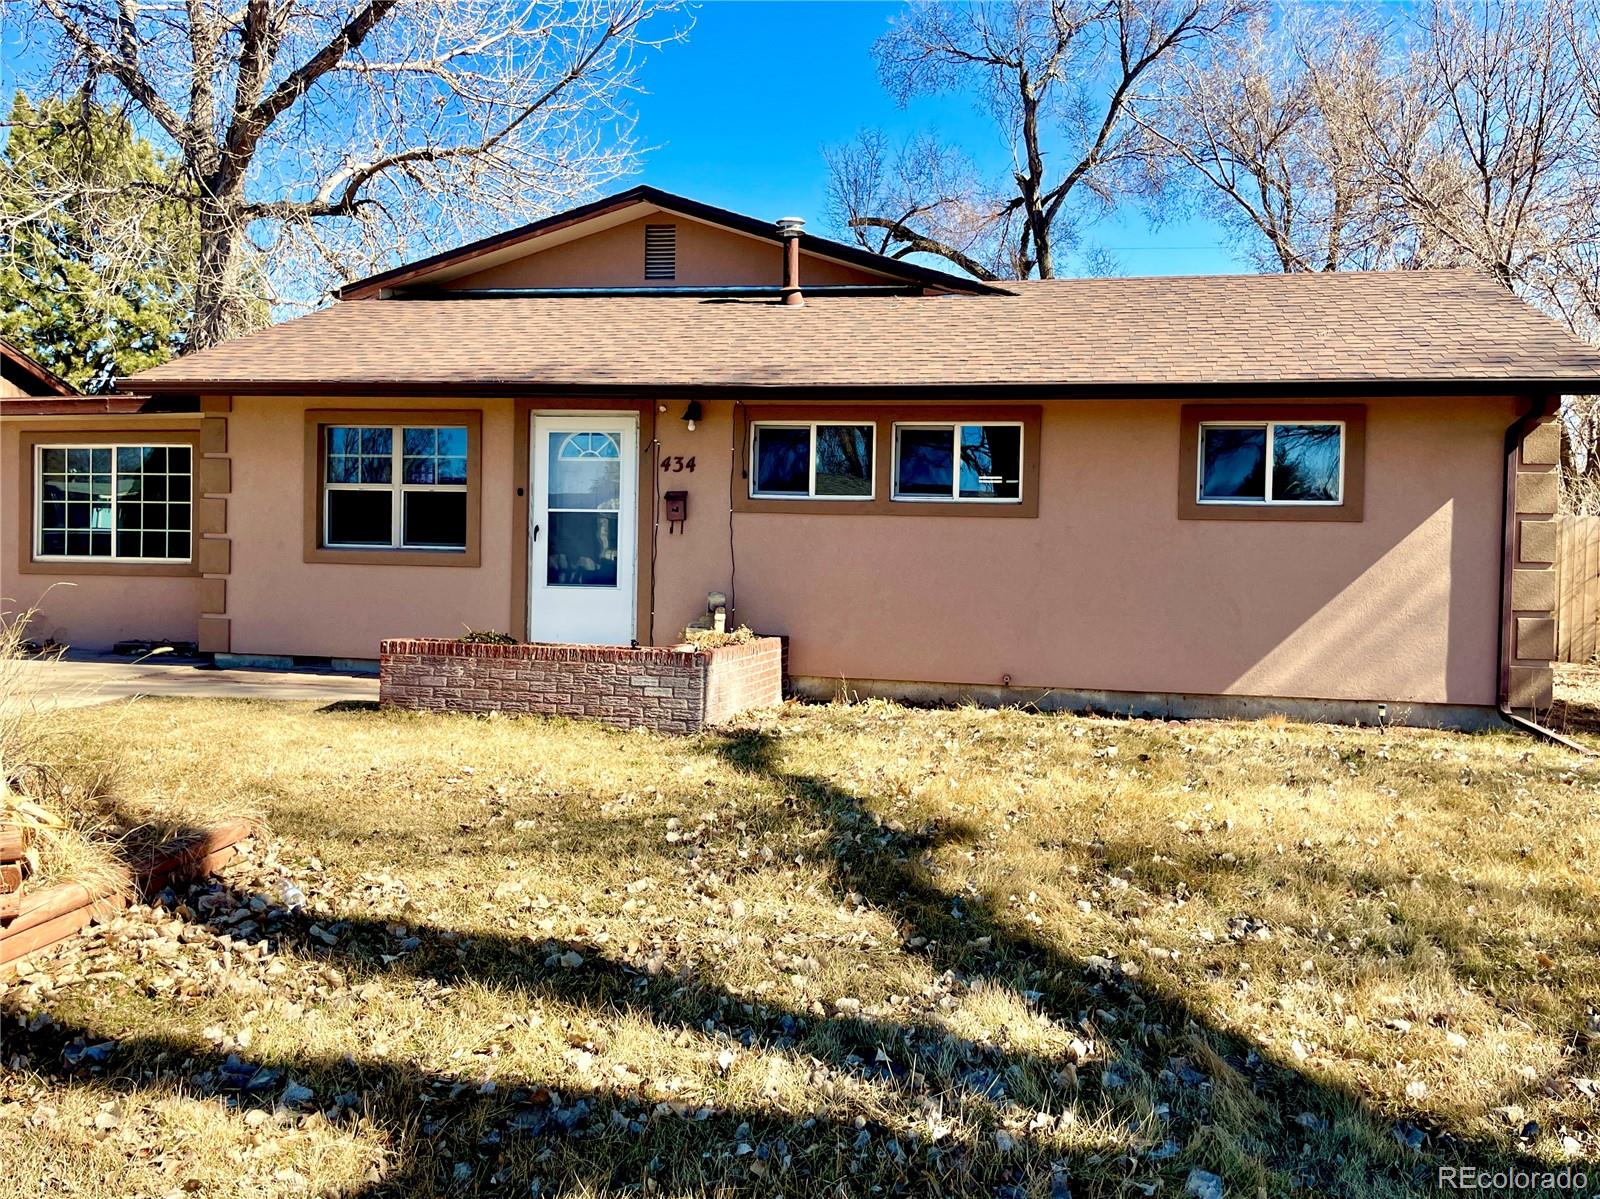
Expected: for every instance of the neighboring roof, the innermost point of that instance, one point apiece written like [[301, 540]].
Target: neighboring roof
[[95, 405], [526, 238], [47, 394], [1377, 331], [30, 374]]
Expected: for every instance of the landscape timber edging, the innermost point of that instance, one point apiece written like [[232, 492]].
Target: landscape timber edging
[[50, 916]]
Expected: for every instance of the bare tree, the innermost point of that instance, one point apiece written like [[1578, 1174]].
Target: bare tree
[[1458, 135], [1482, 145], [1266, 132], [325, 137], [1492, 153], [1059, 79], [922, 198], [1578, 260], [1576, 263]]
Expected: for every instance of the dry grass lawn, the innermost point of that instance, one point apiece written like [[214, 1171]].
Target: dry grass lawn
[[833, 951], [1576, 711]]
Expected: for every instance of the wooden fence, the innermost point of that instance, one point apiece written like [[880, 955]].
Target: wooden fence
[[1578, 588]]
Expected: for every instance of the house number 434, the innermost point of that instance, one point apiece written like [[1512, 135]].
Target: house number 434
[[677, 465]]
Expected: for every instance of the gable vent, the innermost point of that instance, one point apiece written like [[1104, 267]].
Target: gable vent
[[660, 251]]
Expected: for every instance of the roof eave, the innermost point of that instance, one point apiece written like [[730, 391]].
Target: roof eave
[[1223, 389], [112, 404]]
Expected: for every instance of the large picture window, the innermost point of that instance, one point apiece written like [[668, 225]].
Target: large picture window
[[127, 503], [811, 461], [979, 463], [395, 487], [1271, 462]]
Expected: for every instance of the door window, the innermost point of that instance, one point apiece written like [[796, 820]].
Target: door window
[[583, 505]]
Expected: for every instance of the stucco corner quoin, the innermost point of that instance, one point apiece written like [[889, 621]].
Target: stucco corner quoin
[[1530, 576]]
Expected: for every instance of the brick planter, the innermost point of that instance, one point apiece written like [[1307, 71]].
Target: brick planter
[[677, 690]]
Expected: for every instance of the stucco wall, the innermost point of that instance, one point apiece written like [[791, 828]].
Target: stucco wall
[[89, 611], [1106, 590], [277, 603], [707, 256]]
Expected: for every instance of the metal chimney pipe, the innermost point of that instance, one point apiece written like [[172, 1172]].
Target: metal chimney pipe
[[789, 229]]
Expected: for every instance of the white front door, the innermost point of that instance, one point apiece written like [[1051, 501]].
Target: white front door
[[583, 529]]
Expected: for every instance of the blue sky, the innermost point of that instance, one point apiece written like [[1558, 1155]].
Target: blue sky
[[739, 113], [738, 116]]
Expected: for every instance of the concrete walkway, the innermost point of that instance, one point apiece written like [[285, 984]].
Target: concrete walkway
[[79, 680]]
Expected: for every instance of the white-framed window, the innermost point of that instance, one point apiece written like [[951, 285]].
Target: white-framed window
[[113, 503], [967, 462], [1271, 462], [826, 460], [395, 487]]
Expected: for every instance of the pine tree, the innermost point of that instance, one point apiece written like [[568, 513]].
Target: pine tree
[[95, 280]]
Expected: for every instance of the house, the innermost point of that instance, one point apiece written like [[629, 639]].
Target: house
[[84, 591], [1319, 493]]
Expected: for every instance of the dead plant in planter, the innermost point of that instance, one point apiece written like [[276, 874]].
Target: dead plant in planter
[[709, 639], [486, 637]]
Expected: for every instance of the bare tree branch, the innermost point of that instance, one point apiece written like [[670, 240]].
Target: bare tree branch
[[250, 124], [1050, 73], [913, 242], [122, 66], [325, 140]]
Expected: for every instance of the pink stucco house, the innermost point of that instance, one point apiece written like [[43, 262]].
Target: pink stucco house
[[1314, 493]]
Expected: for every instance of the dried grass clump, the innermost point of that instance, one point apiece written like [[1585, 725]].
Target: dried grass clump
[[704, 639], [48, 785], [68, 784]]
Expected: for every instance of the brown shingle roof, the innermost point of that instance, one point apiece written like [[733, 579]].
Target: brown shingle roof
[[1251, 331]]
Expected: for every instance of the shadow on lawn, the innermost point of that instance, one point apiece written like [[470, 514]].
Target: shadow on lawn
[[1228, 1108]]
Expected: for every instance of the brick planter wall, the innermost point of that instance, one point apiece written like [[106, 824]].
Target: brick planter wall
[[677, 690]]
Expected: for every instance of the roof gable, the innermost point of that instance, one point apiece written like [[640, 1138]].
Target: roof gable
[[24, 376], [507, 260]]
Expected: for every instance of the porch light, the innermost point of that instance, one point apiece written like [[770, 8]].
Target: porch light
[[691, 413]]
